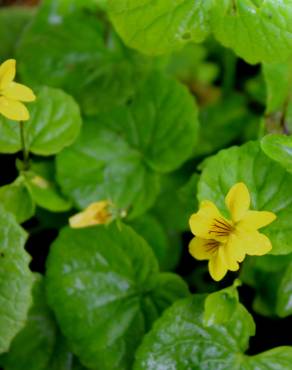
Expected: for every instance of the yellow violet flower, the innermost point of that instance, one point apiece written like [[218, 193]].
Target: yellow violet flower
[[95, 214], [225, 242], [12, 94]]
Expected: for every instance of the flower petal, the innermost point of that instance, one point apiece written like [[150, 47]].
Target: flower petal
[[202, 221], [217, 266], [203, 249], [13, 109], [258, 244], [254, 220], [95, 214], [7, 73], [254, 243], [238, 201], [233, 253], [17, 91]]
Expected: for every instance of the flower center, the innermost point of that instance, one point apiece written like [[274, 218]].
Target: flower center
[[220, 227], [212, 245]]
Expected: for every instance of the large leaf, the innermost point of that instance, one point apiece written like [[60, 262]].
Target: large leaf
[[16, 198], [120, 155], [16, 280], [105, 280], [156, 27], [54, 124], [253, 28], [268, 183], [89, 62], [32, 348], [181, 339]]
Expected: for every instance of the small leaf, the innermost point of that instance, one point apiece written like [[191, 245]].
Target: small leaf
[[43, 188], [16, 198], [220, 306], [16, 280], [105, 280]]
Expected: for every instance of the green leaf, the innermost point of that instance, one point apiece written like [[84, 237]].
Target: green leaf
[[54, 124], [266, 275], [9, 136], [33, 346], [253, 29], [222, 122], [161, 26], [10, 31], [180, 340], [62, 358], [279, 148], [105, 280], [152, 231], [188, 194], [284, 301], [269, 185], [118, 157], [16, 280], [44, 191], [191, 65], [89, 62], [278, 78], [16, 198], [220, 306]]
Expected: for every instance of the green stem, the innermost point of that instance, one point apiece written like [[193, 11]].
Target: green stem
[[230, 62], [25, 152]]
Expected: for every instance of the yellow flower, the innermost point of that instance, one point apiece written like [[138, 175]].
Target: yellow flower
[[95, 214], [12, 94], [226, 242]]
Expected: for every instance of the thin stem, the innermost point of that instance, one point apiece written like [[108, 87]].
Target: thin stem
[[230, 62], [25, 152]]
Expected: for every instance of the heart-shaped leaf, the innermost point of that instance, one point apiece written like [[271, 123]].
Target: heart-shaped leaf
[[120, 154], [105, 280]]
